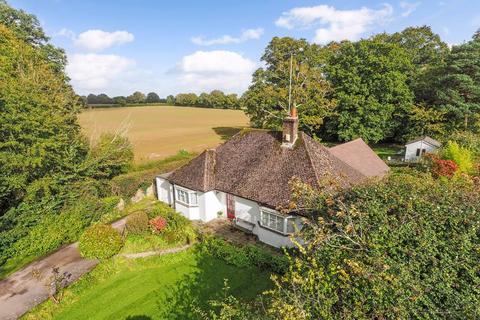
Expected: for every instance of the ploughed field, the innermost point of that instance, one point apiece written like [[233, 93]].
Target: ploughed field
[[158, 131]]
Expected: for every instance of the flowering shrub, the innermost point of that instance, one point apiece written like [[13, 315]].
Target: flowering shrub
[[441, 167], [158, 224]]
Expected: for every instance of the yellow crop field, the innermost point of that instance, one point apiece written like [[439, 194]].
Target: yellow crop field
[[160, 131]]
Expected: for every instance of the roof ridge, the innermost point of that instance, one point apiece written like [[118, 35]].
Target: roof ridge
[[317, 179], [348, 142]]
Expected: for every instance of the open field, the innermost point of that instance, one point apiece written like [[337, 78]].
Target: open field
[[159, 131], [162, 287]]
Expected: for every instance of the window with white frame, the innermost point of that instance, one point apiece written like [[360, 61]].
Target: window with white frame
[[187, 197], [272, 220]]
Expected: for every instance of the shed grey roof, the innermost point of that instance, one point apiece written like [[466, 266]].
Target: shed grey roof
[[254, 165], [426, 139]]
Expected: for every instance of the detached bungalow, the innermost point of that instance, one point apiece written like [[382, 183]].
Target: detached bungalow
[[247, 178]]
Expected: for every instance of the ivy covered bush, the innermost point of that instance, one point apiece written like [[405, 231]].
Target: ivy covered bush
[[404, 248], [100, 241], [137, 223]]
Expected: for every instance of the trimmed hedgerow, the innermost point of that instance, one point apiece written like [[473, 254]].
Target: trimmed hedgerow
[[100, 241]]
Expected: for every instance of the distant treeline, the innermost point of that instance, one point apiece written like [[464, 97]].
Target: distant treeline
[[215, 99]]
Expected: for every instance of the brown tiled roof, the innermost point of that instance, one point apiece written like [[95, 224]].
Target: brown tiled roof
[[255, 166], [361, 157]]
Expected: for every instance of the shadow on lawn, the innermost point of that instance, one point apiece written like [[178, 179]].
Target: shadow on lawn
[[139, 317], [226, 133], [195, 290]]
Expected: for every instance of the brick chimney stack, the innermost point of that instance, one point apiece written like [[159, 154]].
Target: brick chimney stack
[[290, 129]]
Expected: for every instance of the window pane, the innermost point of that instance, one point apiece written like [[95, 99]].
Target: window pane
[[291, 225], [272, 221], [279, 226], [264, 220], [193, 198]]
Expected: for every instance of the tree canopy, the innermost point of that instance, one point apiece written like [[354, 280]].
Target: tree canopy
[[370, 81], [383, 88], [266, 100]]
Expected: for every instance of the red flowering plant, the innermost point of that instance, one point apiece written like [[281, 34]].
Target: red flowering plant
[[158, 224], [441, 167]]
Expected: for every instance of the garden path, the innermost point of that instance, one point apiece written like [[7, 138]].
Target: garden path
[[28, 287]]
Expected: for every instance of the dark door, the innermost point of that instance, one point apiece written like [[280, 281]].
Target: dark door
[[230, 206]]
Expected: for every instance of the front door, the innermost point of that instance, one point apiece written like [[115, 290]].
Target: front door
[[230, 206]]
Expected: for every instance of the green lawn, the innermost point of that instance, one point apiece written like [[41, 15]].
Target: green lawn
[[387, 150], [162, 287]]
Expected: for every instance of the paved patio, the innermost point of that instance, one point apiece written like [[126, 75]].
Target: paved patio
[[225, 229]]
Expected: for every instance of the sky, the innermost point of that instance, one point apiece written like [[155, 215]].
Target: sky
[[121, 46]]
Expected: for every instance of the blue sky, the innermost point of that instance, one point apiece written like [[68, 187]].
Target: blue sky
[[121, 46]]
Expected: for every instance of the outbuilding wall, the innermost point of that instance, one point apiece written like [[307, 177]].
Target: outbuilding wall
[[411, 150]]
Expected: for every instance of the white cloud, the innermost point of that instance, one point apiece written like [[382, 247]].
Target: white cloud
[[408, 7], [96, 40], [249, 34], [64, 32], [218, 69], [333, 24], [93, 72]]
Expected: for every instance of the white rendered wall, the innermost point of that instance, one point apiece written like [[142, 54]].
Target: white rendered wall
[[250, 211], [164, 190], [211, 203], [411, 150]]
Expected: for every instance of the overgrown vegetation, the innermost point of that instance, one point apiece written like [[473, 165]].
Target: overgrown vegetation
[[244, 256], [100, 241], [52, 181], [141, 176]]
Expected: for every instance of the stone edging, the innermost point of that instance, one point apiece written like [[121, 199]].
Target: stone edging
[[154, 253]]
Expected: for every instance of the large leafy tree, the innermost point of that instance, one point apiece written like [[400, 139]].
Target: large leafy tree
[[152, 97], [266, 100], [39, 133], [369, 78], [425, 47], [457, 85], [26, 27], [136, 97]]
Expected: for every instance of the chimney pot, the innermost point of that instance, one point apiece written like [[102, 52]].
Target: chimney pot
[[293, 112], [290, 129]]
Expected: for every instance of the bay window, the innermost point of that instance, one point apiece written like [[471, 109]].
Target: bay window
[[187, 197], [275, 221]]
